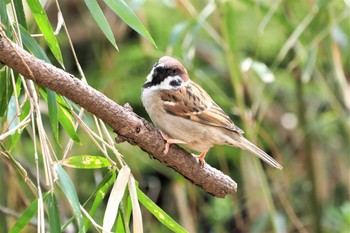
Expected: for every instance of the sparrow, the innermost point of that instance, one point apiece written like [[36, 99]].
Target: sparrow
[[186, 114]]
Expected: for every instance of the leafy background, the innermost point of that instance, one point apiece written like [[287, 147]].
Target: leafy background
[[280, 69]]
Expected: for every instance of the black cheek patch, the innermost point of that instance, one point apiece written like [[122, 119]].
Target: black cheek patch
[[175, 83]]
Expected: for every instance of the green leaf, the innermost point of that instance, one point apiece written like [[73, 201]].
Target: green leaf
[[115, 198], [33, 46], [11, 113], [27, 215], [101, 191], [101, 21], [68, 188], [46, 29], [66, 120], [120, 227], [3, 17], [157, 212], [20, 13], [64, 117], [15, 137], [86, 162], [54, 219], [129, 17], [5, 90], [53, 113]]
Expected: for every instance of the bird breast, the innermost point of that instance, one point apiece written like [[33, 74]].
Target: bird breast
[[199, 137]]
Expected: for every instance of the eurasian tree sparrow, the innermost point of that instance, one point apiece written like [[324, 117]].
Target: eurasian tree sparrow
[[186, 114]]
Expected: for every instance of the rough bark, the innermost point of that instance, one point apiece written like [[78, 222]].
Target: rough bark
[[128, 125]]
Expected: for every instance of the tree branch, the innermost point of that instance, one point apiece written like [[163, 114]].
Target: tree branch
[[128, 125]]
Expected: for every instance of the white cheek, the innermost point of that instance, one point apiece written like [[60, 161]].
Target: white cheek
[[149, 76], [165, 84]]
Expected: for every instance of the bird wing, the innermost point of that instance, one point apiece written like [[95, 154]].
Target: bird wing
[[193, 103]]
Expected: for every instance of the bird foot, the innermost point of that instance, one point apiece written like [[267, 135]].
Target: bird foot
[[201, 157], [169, 141]]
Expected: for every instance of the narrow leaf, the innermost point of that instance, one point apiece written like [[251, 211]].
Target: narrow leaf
[[136, 210], [27, 215], [101, 20], [33, 46], [86, 162], [53, 112], [20, 13], [14, 138], [4, 18], [46, 29], [120, 228], [129, 17], [115, 198], [100, 192], [157, 212], [66, 120], [69, 191], [6, 90], [54, 219]]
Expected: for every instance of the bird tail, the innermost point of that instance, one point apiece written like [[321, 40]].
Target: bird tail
[[247, 145]]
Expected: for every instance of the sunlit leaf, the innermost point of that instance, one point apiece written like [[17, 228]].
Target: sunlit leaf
[[129, 17], [115, 198], [163, 217], [259, 68], [136, 210], [86, 162], [120, 224], [66, 120], [101, 21], [101, 191], [46, 29], [68, 188]]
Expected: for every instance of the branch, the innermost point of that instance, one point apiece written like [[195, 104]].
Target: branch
[[128, 125]]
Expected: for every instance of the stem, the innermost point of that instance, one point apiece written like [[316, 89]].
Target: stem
[[309, 156]]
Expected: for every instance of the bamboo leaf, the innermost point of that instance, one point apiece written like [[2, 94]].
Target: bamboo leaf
[[66, 120], [101, 21], [33, 46], [136, 210], [157, 212], [100, 192], [115, 198], [69, 191], [6, 90], [54, 219], [46, 29], [27, 215], [53, 112], [86, 162], [129, 17], [20, 13]]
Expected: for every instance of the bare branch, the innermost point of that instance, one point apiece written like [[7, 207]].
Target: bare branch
[[128, 125]]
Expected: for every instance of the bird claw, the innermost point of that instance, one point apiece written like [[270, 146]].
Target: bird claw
[[201, 157], [169, 141]]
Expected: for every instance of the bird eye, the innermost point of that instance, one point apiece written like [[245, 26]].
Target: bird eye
[[173, 72]]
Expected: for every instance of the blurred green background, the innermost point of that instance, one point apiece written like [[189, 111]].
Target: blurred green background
[[280, 69]]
